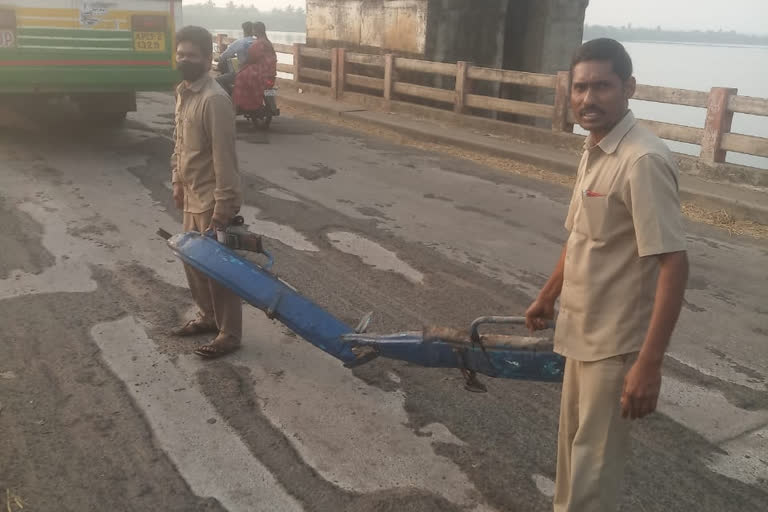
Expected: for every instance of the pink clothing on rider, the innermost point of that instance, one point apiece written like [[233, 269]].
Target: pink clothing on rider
[[261, 68]]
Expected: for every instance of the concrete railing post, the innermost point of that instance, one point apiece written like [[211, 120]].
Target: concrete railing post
[[341, 72], [297, 61], [562, 103], [389, 75], [718, 122], [335, 73], [462, 83]]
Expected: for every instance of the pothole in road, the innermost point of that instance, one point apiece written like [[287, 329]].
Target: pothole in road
[[21, 239], [280, 232], [269, 229], [317, 172], [373, 254], [545, 485]]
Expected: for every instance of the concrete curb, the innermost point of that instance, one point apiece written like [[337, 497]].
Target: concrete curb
[[740, 202], [471, 142]]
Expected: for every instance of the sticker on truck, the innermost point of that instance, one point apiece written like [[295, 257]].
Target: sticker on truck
[[7, 28], [91, 13], [7, 38]]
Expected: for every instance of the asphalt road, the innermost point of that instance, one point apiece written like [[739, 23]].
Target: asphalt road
[[100, 409]]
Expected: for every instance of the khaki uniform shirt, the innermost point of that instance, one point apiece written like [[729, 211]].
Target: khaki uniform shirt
[[625, 209], [204, 159]]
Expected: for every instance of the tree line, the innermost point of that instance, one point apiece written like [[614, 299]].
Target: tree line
[[208, 15], [630, 33]]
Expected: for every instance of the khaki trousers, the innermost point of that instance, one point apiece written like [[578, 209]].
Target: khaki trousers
[[593, 442], [216, 303]]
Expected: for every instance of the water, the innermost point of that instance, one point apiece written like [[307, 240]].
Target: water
[[700, 67], [684, 66], [275, 37]]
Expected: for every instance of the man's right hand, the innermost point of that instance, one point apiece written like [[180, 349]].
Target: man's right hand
[[178, 195], [539, 314]]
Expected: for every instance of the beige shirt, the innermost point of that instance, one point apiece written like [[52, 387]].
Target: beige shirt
[[625, 209], [204, 158]]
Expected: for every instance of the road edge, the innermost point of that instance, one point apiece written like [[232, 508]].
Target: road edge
[[738, 202]]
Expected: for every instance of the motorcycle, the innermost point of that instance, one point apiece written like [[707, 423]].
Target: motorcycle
[[267, 111], [269, 108]]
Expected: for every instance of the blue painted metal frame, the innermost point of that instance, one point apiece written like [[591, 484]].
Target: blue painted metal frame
[[492, 361], [265, 291]]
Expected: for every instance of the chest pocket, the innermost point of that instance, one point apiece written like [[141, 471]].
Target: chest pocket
[[193, 133], [594, 217]]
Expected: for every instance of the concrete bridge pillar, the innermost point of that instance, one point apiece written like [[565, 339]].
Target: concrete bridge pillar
[[529, 35]]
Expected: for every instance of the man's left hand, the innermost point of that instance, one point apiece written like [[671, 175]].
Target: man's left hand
[[214, 225], [641, 390]]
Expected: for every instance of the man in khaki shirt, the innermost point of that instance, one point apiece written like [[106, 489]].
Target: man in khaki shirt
[[621, 280], [206, 183]]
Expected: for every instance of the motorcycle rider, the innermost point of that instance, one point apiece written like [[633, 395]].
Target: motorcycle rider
[[238, 49], [258, 74]]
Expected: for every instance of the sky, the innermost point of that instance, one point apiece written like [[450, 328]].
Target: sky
[[748, 16]]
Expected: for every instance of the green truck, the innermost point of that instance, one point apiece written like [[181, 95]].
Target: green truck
[[99, 54]]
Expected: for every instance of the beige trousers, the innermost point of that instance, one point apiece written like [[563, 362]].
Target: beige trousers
[[593, 442], [216, 303]]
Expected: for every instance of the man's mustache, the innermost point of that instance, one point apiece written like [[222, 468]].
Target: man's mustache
[[590, 110]]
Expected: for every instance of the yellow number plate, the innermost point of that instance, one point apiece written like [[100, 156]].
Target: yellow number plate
[[149, 41]]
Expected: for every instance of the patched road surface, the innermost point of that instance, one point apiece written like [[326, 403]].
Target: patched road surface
[[100, 409]]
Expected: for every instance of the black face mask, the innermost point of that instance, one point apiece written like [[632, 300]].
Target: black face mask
[[191, 71]]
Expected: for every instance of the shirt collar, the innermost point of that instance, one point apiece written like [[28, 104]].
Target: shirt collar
[[195, 86], [611, 141]]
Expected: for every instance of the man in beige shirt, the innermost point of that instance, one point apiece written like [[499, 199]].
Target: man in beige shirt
[[621, 279], [206, 183]]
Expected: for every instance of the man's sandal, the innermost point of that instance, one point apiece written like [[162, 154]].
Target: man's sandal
[[193, 328], [217, 348]]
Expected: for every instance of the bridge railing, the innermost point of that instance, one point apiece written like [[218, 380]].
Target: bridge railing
[[455, 86]]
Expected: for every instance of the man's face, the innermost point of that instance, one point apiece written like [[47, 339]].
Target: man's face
[[191, 62], [599, 98]]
